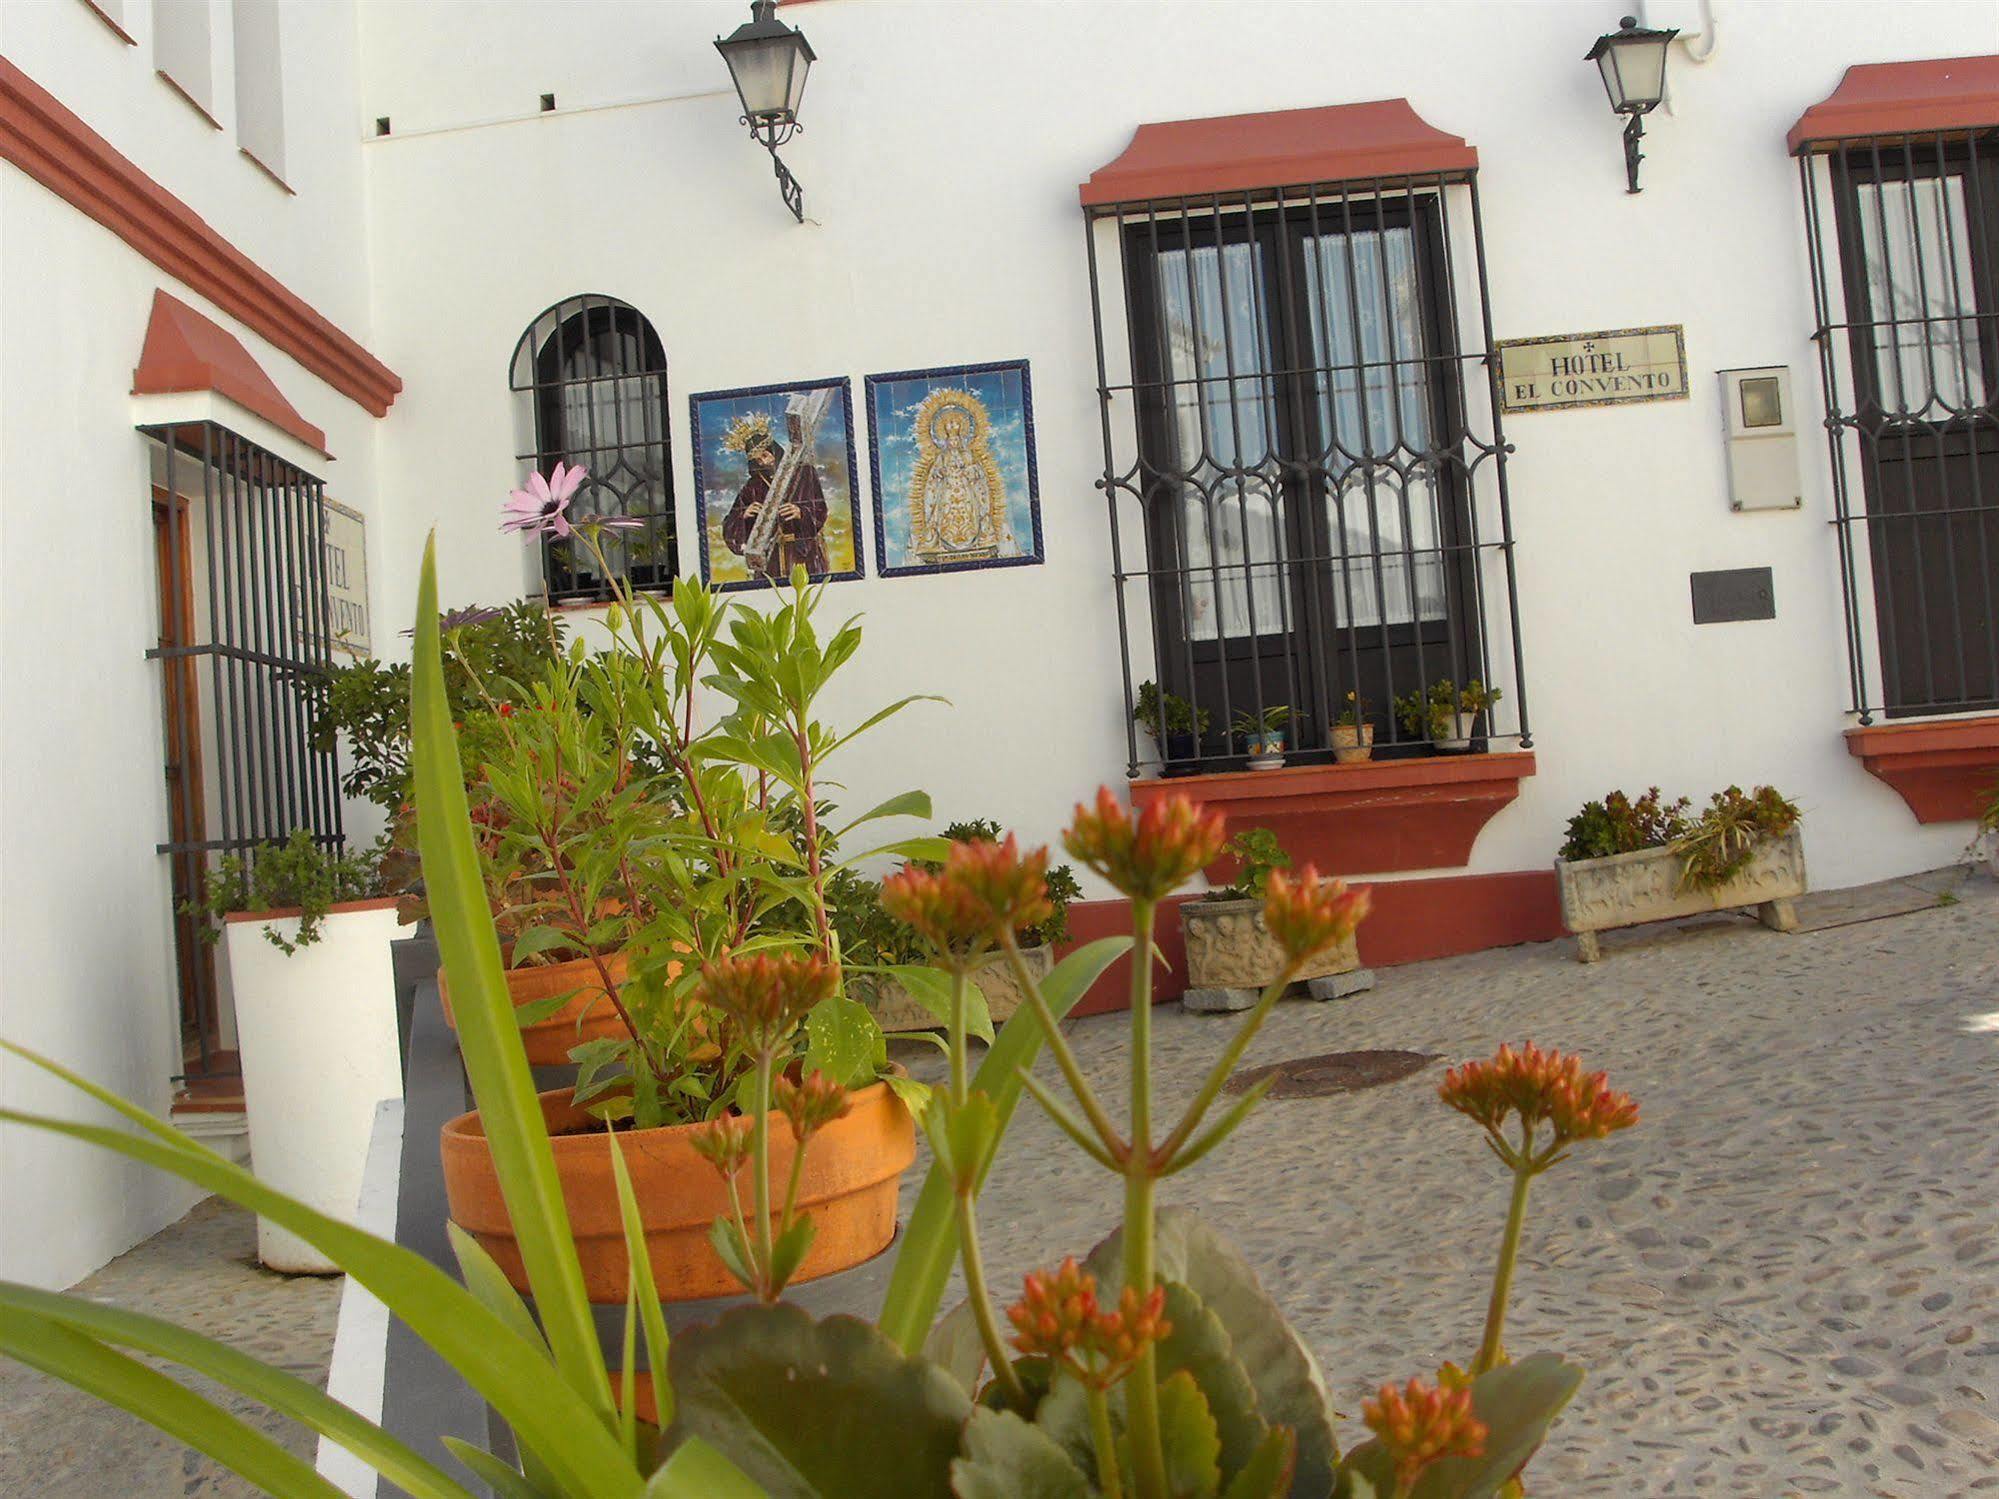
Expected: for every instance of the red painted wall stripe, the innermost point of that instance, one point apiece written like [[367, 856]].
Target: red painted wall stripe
[[1411, 920], [53, 146]]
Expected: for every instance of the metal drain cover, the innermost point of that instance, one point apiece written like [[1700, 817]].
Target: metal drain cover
[[1333, 1072]]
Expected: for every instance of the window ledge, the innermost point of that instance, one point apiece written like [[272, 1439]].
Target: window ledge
[[1377, 817], [1943, 769]]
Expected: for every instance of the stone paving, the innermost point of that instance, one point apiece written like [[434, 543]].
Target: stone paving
[[56, 1443], [1782, 1281]]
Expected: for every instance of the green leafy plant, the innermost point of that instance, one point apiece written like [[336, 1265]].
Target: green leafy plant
[[1163, 713], [1476, 696], [302, 875], [1619, 824], [1428, 714], [1257, 854], [543, 1374], [365, 706], [1354, 714], [1250, 723], [1157, 1368], [1725, 837]]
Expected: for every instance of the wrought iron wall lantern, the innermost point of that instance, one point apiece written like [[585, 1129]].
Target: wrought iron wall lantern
[[768, 61], [1632, 60]]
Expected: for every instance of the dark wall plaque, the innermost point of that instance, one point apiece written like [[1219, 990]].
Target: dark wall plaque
[[1732, 594]]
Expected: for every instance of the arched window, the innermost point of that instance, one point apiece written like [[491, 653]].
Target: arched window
[[594, 376]]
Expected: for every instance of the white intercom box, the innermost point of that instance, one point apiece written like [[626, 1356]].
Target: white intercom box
[[1759, 423]]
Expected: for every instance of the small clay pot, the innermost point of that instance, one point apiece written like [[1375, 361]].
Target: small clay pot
[[1352, 744], [851, 1185], [588, 1016]]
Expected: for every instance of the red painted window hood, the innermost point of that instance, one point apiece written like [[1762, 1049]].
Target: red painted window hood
[[185, 351], [1280, 148], [1899, 98]]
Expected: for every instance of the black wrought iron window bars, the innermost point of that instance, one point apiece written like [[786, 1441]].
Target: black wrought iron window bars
[[1903, 239], [1304, 467], [592, 373]]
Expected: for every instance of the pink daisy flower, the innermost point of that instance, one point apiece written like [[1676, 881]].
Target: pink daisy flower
[[538, 509]]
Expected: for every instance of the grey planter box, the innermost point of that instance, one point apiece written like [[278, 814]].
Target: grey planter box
[[895, 1009], [1599, 895], [1231, 958]]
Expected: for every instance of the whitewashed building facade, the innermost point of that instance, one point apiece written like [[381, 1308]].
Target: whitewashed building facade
[[1350, 365]]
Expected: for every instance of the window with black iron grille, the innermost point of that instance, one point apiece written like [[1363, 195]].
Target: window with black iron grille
[[593, 374], [1304, 465], [245, 642], [1904, 241]]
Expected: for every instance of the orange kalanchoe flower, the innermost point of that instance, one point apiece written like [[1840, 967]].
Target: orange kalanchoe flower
[[1420, 1423], [984, 890], [1307, 915], [811, 1104], [1538, 1086], [724, 1143], [945, 914], [1058, 1318], [765, 994], [1009, 888], [1150, 856]]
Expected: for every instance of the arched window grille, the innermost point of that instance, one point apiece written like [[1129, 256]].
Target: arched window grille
[[594, 375]]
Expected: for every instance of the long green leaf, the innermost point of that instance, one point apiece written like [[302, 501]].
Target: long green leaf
[[697, 1471], [179, 1412], [486, 1280], [517, 1380], [930, 1241], [488, 1037], [285, 1393], [504, 1481], [651, 1318], [907, 804]]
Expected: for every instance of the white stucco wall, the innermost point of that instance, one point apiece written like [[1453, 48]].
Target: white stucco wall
[[86, 951], [942, 149]]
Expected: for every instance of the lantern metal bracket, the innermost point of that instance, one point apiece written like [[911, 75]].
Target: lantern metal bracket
[[1634, 131], [788, 186]]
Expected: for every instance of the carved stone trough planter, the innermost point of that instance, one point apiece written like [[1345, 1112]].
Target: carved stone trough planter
[[1599, 895], [1231, 958], [896, 1009]]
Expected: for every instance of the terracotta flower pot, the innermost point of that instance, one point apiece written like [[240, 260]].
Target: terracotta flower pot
[[852, 1181], [1351, 744], [588, 1016]]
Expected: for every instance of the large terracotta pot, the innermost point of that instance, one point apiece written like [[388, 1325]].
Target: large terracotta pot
[[588, 1016], [852, 1180]]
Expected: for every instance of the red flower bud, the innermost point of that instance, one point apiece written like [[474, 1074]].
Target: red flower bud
[[724, 1143], [1538, 1086], [1419, 1423], [767, 995], [1308, 915], [1151, 856], [811, 1104]]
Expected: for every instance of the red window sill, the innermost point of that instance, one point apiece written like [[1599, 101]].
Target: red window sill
[[1943, 769], [1378, 817]]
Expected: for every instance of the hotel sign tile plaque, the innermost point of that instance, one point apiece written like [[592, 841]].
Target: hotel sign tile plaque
[[1592, 369]]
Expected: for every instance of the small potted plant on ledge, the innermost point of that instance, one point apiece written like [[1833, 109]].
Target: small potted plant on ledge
[[1475, 699], [1175, 724], [305, 929], [1446, 715], [885, 958], [1629, 860], [1231, 955], [1262, 735], [1353, 735]]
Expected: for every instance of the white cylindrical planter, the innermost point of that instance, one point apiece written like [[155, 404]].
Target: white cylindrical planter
[[317, 1034]]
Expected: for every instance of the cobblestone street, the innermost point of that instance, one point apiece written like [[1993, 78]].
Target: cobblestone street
[[1782, 1282]]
